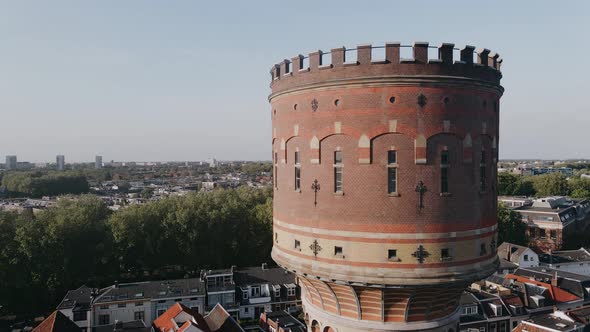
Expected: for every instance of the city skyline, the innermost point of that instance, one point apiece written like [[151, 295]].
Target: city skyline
[[190, 81]]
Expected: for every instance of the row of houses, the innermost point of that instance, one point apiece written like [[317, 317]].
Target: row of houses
[[530, 292], [530, 299], [243, 293], [177, 318]]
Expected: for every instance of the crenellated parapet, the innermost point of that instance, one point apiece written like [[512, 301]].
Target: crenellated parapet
[[342, 64], [384, 160]]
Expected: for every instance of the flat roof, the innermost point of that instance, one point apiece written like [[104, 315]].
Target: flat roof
[[152, 290], [553, 322]]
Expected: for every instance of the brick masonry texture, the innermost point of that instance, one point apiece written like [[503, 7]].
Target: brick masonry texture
[[419, 108]]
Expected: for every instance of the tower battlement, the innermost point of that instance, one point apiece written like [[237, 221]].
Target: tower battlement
[[341, 63], [385, 170]]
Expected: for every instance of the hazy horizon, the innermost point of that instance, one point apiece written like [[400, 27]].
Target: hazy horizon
[[185, 80]]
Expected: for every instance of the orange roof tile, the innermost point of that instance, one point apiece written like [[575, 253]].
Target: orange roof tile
[[557, 294], [165, 322], [57, 322]]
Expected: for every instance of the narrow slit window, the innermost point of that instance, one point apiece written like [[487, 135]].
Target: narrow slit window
[[482, 172], [276, 175], [337, 250], [297, 171], [337, 171], [444, 171], [392, 171]]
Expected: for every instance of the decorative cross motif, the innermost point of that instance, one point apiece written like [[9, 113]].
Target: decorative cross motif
[[315, 247], [315, 186], [421, 189], [422, 100], [314, 104], [420, 254]]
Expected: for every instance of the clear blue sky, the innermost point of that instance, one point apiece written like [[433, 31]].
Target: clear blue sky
[[188, 80]]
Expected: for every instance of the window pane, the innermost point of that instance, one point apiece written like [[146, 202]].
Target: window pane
[[337, 157], [297, 178], [482, 178], [391, 157], [444, 180], [392, 253], [337, 179], [444, 158], [392, 180], [296, 157]]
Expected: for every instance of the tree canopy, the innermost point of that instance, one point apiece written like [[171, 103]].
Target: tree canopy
[[514, 185], [553, 184], [510, 227], [80, 241], [38, 184]]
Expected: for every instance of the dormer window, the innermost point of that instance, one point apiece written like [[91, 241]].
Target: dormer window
[[245, 294], [255, 291], [469, 310]]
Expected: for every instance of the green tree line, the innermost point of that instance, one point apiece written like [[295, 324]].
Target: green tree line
[[38, 184], [82, 242], [543, 185]]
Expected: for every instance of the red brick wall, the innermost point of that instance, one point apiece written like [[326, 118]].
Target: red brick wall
[[365, 200]]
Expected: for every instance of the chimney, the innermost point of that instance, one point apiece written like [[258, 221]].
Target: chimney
[[116, 283], [508, 256], [264, 266], [554, 280]]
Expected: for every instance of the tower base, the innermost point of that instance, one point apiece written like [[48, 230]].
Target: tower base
[[377, 310], [320, 321]]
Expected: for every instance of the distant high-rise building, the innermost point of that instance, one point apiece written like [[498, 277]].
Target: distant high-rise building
[[98, 162], [60, 160], [212, 162], [10, 162]]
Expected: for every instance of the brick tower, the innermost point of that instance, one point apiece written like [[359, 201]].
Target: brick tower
[[385, 182]]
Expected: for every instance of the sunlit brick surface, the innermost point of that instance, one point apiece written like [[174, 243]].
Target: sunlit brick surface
[[340, 243]]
